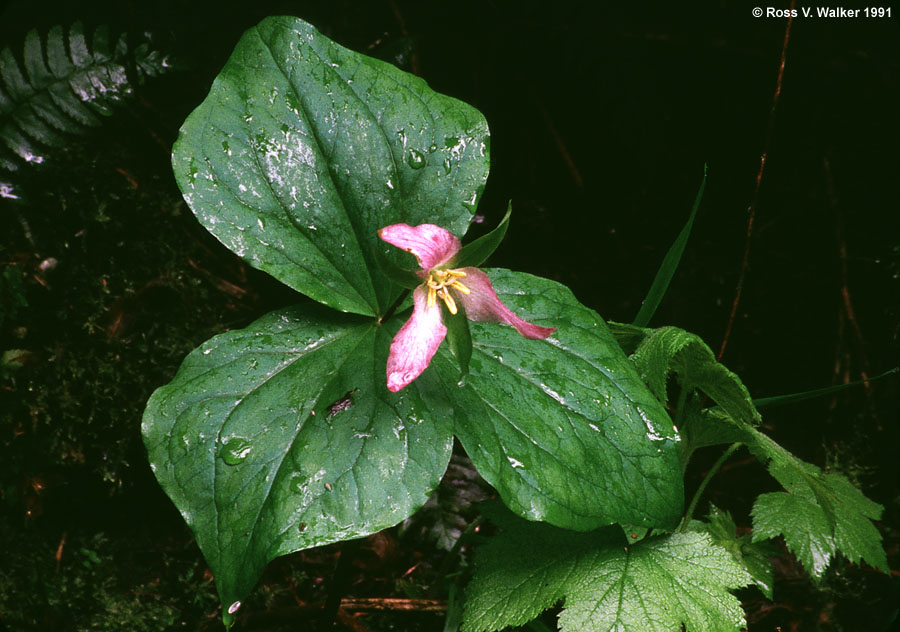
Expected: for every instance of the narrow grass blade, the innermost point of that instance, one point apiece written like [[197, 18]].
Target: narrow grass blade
[[781, 400], [669, 265]]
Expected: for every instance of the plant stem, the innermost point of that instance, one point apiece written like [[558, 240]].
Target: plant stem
[[679, 421], [715, 468], [393, 307]]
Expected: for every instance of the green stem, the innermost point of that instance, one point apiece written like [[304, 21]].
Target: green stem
[[712, 471], [444, 569], [393, 307], [679, 420]]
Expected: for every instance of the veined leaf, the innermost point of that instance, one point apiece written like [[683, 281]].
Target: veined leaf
[[819, 514], [669, 349], [564, 427], [753, 556], [655, 585], [283, 436], [304, 149]]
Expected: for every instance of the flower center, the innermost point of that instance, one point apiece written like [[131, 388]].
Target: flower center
[[439, 283]]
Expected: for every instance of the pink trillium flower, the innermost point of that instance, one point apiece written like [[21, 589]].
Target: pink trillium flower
[[418, 340]]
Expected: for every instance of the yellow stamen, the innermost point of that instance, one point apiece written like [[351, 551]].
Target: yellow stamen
[[439, 283], [448, 300], [456, 285]]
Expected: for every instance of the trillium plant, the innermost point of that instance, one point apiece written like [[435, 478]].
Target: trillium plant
[[352, 182]]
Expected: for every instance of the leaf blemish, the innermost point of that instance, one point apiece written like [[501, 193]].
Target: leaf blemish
[[343, 403]]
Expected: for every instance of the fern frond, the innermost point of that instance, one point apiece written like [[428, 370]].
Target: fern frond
[[66, 87]]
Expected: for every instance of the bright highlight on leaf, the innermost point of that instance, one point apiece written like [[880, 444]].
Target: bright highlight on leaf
[[563, 427]]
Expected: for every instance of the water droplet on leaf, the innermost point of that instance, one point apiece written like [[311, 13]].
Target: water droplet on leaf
[[415, 159], [235, 450]]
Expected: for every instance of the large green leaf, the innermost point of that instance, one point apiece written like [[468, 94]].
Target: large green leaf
[[304, 149], [564, 427], [283, 436], [654, 585]]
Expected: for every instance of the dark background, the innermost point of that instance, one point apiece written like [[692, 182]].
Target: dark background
[[602, 117]]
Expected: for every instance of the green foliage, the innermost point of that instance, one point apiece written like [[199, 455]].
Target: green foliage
[[65, 87], [655, 585], [304, 149], [753, 556], [250, 442], [671, 350], [283, 435], [478, 251], [661, 352], [819, 514]]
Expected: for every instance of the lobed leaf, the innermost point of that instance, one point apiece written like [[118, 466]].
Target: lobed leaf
[[820, 514], [753, 556], [655, 585], [673, 350]]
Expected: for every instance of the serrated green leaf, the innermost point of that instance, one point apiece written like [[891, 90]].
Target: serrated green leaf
[[753, 556], [283, 436], [563, 428], [18, 88], [819, 515], [655, 585], [57, 58], [38, 73], [102, 50], [78, 48], [670, 349], [628, 336], [304, 149], [477, 252], [67, 102]]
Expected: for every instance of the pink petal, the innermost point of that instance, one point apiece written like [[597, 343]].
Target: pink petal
[[432, 245], [416, 342], [482, 305]]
